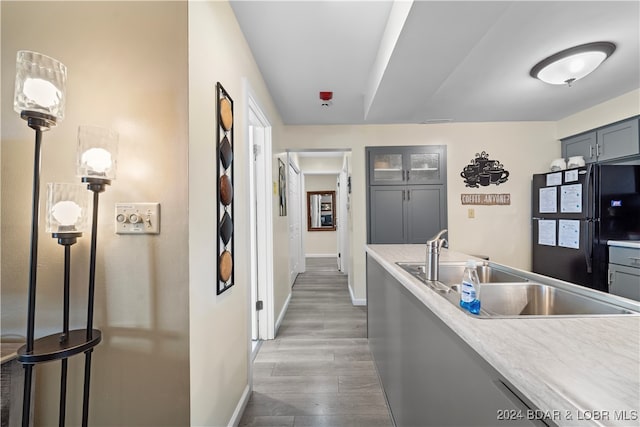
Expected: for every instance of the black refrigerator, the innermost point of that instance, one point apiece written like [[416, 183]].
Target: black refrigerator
[[575, 212]]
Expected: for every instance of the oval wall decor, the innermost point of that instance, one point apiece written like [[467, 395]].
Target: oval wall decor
[[226, 114], [226, 153], [226, 190], [226, 228], [225, 266]]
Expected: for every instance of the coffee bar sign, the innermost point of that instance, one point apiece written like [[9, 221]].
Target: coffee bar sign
[[486, 199]]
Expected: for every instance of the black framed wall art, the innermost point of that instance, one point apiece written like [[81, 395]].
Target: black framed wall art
[[224, 168], [282, 188]]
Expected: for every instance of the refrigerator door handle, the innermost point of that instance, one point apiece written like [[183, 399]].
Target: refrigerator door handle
[[590, 188], [588, 243]]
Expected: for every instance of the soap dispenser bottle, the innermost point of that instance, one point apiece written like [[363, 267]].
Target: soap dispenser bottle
[[470, 288]]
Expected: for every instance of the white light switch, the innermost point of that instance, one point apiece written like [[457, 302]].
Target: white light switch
[[137, 218]]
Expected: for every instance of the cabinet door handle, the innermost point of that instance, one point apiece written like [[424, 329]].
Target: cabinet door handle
[[590, 151], [403, 195], [408, 194], [408, 175], [597, 150]]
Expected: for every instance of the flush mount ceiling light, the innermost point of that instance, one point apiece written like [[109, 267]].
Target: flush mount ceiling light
[[569, 65]]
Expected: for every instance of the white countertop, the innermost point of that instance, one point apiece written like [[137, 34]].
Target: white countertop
[[625, 243], [573, 365]]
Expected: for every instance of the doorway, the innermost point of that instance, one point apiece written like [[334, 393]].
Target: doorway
[[260, 223], [319, 170]]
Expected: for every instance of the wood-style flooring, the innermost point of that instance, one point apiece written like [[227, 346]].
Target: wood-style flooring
[[318, 371]]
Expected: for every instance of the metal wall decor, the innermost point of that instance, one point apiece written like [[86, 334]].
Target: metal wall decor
[[482, 171], [282, 188], [224, 145]]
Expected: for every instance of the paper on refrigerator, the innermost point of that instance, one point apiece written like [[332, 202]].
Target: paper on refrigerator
[[547, 232], [569, 233]]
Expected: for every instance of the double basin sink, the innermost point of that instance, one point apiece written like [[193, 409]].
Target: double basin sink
[[506, 293]]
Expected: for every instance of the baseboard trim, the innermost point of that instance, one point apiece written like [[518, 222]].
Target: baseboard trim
[[242, 404], [321, 256], [356, 301], [281, 315]]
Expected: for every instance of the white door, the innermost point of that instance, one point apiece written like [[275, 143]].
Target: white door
[[254, 172], [295, 252], [260, 224]]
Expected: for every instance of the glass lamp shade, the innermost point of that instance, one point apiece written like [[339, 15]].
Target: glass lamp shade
[[67, 208], [572, 64], [571, 68], [97, 152], [41, 83]]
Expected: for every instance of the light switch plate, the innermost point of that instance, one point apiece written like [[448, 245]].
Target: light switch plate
[[137, 218]]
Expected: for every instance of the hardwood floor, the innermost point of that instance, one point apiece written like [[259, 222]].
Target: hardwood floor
[[318, 371]]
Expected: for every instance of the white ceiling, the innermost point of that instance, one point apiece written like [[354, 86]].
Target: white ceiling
[[412, 62]]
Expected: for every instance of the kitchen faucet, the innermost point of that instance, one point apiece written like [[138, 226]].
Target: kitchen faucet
[[433, 255]]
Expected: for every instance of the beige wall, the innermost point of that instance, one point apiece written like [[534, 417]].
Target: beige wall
[[618, 108], [219, 327], [319, 243], [501, 232], [320, 164], [127, 65]]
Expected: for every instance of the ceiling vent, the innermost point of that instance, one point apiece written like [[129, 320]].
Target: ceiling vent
[[436, 121]]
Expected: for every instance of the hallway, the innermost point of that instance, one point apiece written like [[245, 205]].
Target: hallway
[[318, 371]]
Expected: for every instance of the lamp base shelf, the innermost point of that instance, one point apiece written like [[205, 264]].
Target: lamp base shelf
[[50, 348]]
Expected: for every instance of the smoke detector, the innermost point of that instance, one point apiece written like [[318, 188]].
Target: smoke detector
[[325, 99]]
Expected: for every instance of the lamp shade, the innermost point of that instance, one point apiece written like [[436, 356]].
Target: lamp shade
[[40, 86], [572, 64], [67, 208], [97, 152]]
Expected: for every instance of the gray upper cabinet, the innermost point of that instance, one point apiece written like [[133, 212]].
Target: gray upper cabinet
[[616, 141], [407, 165], [407, 193], [580, 145]]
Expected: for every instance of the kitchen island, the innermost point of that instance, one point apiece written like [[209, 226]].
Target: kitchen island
[[554, 370]]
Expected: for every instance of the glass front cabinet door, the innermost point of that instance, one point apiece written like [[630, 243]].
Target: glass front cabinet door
[[406, 165]]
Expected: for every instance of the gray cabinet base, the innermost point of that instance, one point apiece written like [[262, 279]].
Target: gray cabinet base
[[430, 376]]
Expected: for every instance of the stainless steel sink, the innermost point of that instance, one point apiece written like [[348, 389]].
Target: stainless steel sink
[[505, 294], [535, 299], [451, 273]]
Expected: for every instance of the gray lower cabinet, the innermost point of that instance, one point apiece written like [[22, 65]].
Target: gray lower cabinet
[[406, 214], [430, 376], [616, 141], [624, 281], [624, 272]]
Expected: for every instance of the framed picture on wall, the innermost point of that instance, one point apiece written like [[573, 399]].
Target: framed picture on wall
[[282, 188]]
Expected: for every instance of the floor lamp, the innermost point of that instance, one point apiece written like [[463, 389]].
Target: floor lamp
[[40, 100]]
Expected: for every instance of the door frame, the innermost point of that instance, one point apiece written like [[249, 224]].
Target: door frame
[[263, 223]]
